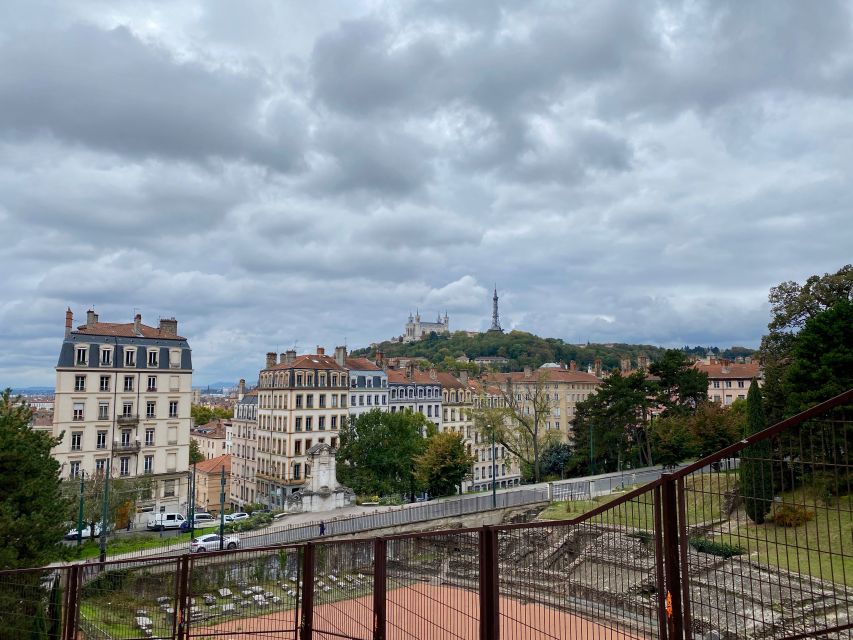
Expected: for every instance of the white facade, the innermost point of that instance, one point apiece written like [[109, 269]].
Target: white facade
[[416, 329]]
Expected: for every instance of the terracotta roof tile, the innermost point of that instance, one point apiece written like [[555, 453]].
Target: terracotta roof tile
[[215, 464], [733, 370], [125, 331], [309, 361], [361, 364]]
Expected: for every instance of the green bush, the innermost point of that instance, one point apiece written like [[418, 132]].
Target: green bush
[[393, 499], [791, 515], [722, 549]]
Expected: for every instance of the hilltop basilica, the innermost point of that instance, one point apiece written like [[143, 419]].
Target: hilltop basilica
[[417, 329]]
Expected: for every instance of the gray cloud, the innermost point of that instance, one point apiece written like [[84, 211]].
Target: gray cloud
[[275, 176]]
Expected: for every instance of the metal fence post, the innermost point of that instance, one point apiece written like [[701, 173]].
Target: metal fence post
[[306, 628], [380, 583], [672, 561], [182, 608], [489, 592], [72, 603]]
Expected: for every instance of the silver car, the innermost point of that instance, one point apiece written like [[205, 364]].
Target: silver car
[[210, 542]]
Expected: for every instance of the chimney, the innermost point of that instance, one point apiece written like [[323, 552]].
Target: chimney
[[432, 374], [463, 377], [528, 372], [91, 318], [169, 326], [625, 365], [320, 351], [290, 356], [241, 389], [137, 321], [380, 358], [598, 367], [410, 370], [270, 359], [642, 362], [69, 321], [341, 356], [573, 366]]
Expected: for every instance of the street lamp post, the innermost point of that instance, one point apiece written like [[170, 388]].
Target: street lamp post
[[221, 507], [494, 473], [105, 514], [80, 511]]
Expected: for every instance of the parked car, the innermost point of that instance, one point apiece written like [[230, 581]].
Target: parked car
[[261, 510], [87, 532], [240, 515], [210, 542], [160, 521]]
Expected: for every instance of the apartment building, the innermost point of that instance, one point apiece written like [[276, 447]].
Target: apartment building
[[728, 381], [208, 483], [302, 401], [411, 389], [123, 393], [244, 427], [212, 438], [368, 383], [491, 459]]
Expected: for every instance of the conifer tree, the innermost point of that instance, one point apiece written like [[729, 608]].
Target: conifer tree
[[756, 470]]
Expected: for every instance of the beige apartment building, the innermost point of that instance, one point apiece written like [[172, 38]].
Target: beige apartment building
[[211, 438], [208, 484], [244, 429], [505, 469], [302, 401], [123, 393], [728, 381]]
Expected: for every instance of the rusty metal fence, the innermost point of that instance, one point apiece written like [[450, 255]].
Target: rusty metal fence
[[755, 541]]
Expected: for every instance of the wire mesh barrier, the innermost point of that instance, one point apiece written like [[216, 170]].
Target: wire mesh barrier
[[755, 541], [765, 533], [32, 603]]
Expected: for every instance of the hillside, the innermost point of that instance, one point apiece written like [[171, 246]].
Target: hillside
[[524, 349]]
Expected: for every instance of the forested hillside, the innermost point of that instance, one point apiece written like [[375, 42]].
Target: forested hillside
[[522, 349]]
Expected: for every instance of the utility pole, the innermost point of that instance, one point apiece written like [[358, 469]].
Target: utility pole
[[494, 473], [191, 511], [222, 508], [105, 514], [80, 512]]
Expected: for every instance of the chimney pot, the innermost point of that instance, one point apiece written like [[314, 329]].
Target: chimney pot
[[270, 359], [573, 366], [598, 367], [463, 377], [528, 372], [341, 356], [169, 326], [91, 318], [69, 321], [290, 356], [321, 351]]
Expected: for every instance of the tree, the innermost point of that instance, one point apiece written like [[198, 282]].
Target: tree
[[611, 425], [714, 427], [821, 364], [519, 423], [30, 531], [792, 306], [681, 387], [555, 458], [196, 455], [376, 451], [124, 494], [756, 479], [443, 465], [671, 440]]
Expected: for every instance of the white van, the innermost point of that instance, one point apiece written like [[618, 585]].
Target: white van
[[160, 521]]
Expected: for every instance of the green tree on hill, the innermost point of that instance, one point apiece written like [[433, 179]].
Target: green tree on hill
[[443, 464], [756, 469]]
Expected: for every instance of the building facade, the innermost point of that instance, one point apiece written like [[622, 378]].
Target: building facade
[[411, 389], [302, 401], [416, 329], [211, 438], [123, 395], [728, 381], [208, 484], [368, 384], [244, 427]]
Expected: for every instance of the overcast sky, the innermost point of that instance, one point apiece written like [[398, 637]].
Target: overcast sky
[[300, 173]]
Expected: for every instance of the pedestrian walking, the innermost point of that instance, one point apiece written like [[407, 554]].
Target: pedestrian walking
[[322, 528]]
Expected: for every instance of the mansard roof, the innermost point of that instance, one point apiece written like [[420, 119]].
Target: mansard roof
[[124, 330]]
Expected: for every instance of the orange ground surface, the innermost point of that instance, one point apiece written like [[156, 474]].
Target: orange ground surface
[[421, 612]]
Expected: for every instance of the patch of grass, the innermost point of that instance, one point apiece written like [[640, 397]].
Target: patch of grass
[[129, 544], [706, 545]]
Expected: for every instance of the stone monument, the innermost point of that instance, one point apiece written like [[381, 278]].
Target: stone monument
[[323, 493]]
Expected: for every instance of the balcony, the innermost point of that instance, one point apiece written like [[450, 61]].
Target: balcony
[[127, 447], [128, 420]]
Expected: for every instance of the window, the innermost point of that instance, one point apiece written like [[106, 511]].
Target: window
[[297, 468], [429, 410], [129, 357], [74, 469], [308, 426], [124, 466], [128, 383], [333, 442], [728, 384], [150, 409], [152, 383], [740, 384], [360, 400], [153, 357], [334, 422], [106, 357], [125, 437], [376, 400], [79, 383], [298, 400], [105, 383], [322, 404], [169, 489], [299, 423], [173, 408], [297, 448], [76, 440], [127, 410], [103, 411], [148, 464], [100, 466], [78, 411], [174, 383], [369, 400], [175, 358], [309, 401], [716, 384], [383, 399], [334, 401], [82, 357], [321, 423], [101, 442]]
